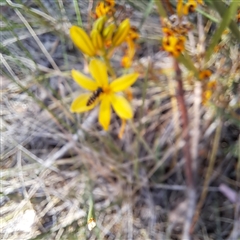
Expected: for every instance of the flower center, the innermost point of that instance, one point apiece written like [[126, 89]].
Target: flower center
[[107, 90]]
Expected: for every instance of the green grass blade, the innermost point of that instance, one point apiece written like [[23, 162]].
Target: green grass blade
[[160, 8], [187, 62], [146, 13], [231, 11], [221, 8], [77, 10]]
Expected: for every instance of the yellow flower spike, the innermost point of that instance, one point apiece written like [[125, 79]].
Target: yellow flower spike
[[99, 23], [121, 33], [128, 58], [102, 9], [81, 39], [103, 92], [96, 39]]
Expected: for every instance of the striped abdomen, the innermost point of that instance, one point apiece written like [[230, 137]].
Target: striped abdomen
[[94, 96]]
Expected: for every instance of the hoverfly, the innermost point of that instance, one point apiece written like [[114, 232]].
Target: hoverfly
[[94, 96]]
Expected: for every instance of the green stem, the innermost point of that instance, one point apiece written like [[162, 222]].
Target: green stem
[[221, 8], [223, 25], [212, 18], [187, 62], [160, 8], [147, 13], [109, 67], [91, 211], [77, 10]]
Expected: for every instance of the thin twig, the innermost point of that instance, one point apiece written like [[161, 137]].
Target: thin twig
[[185, 124], [191, 194]]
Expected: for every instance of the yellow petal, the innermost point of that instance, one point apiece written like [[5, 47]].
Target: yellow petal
[[79, 104], [98, 71], [99, 23], [105, 113], [179, 8], [108, 31], [102, 9], [97, 40], [84, 81], [123, 82], [122, 107], [82, 40], [121, 33]]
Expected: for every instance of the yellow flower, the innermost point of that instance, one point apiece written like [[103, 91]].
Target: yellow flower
[[206, 95], [129, 54], [103, 92], [168, 43], [105, 8], [102, 9], [205, 74], [81, 39], [173, 44], [189, 7], [133, 33], [167, 31], [212, 84], [127, 59]]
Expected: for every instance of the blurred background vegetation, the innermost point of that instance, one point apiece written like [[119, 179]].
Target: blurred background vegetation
[[55, 164]]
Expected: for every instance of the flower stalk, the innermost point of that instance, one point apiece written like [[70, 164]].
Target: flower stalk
[[185, 123]]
